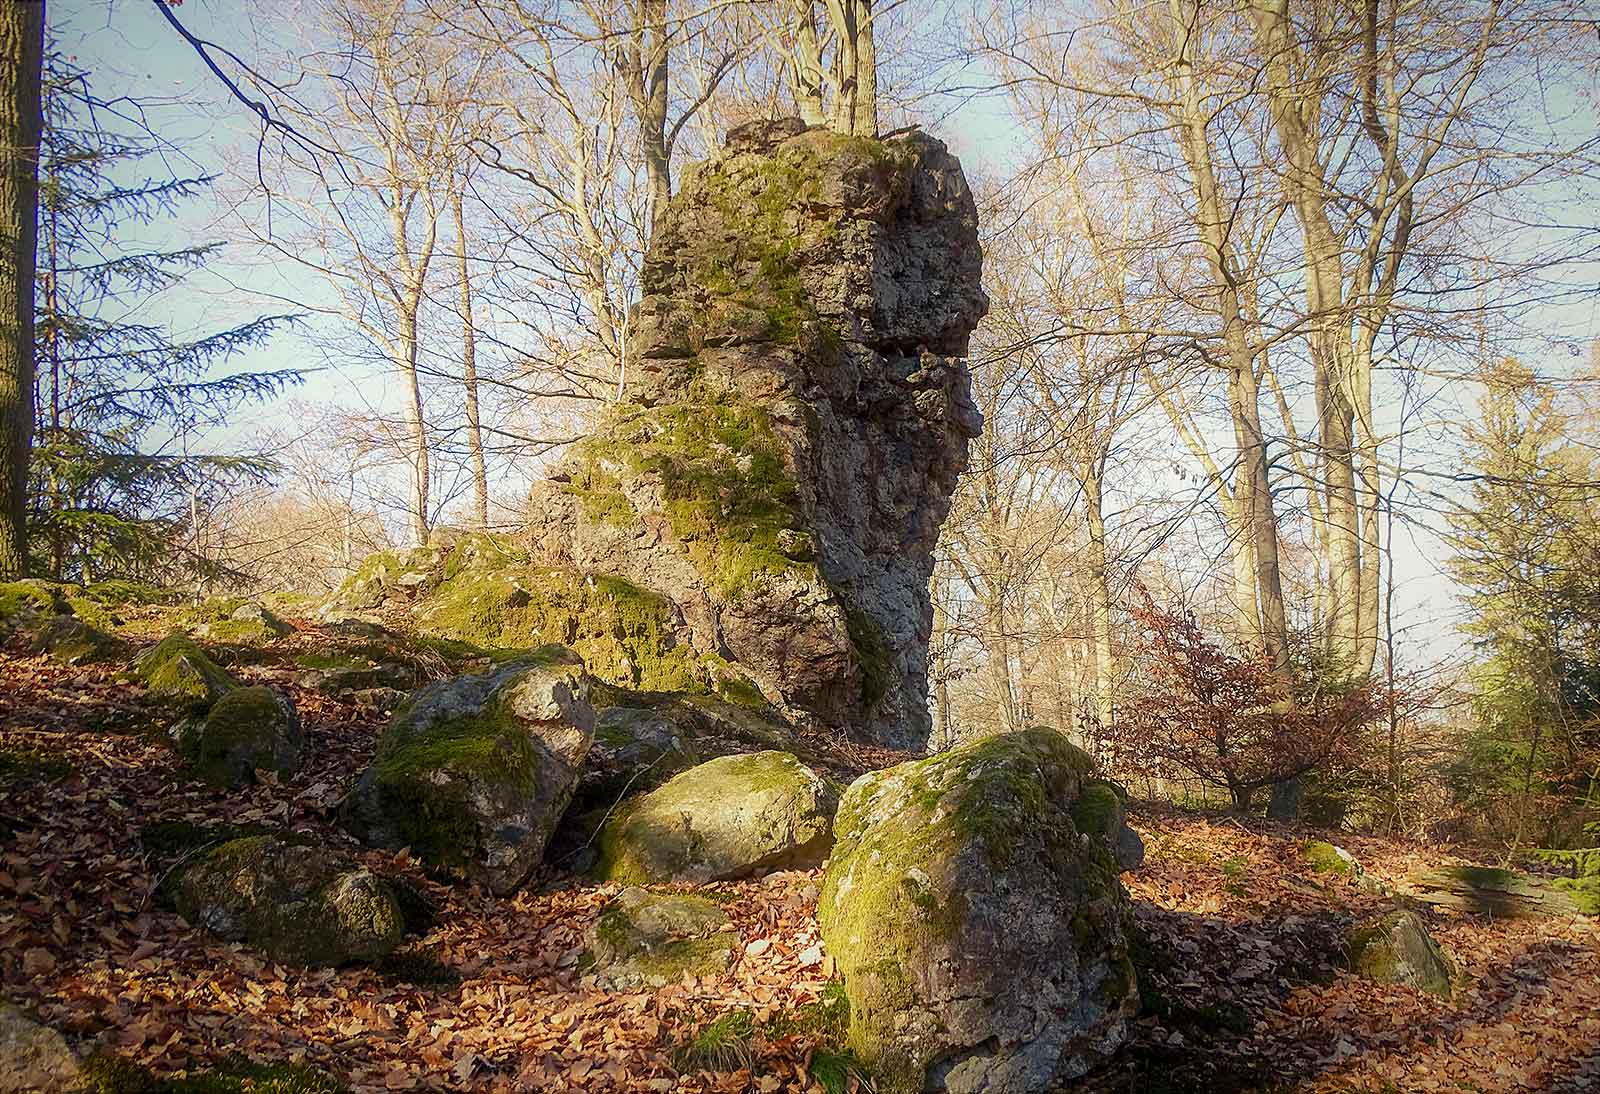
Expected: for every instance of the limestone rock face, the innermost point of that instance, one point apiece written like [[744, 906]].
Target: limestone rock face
[[797, 410], [979, 931], [1396, 948], [474, 772], [645, 939], [727, 818], [246, 729], [34, 1059], [301, 905]]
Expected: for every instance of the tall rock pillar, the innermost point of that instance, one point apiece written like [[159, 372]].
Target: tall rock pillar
[[798, 409]]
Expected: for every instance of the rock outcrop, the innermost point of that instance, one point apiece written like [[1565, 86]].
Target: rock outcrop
[[299, 904], [474, 772], [645, 939], [979, 931], [727, 818], [797, 412], [246, 729]]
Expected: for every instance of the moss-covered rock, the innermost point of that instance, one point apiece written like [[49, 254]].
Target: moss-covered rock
[[28, 601], [177, 670], [1325, 858], [245, 730], [636, 749], [70, 639], [645, 939], [300, 904], [1100, 809], [33, 1057], [979, 931], [474, 772], [727, 818], [1396, 948], [339, 671]]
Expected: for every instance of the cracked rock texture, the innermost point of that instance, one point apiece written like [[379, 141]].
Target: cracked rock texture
[[797, 410]]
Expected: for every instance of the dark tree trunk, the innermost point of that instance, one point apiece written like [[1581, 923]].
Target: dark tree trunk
[[21, 122]]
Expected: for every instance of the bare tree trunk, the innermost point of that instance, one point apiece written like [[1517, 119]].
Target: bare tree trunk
[[1100, 598], [417, 425], [646, 60], [469, 372], [21, 123], [805, 64]]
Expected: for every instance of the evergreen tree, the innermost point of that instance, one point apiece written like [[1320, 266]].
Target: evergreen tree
[[1527, 549], [113, 487]]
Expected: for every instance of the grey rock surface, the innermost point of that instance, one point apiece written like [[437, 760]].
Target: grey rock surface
[[299, 904], [34, 1059], [1396, 948], [645, 939]]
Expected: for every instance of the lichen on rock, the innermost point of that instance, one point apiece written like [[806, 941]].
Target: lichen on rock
[[979, 931], [728, 818], [474, 772]]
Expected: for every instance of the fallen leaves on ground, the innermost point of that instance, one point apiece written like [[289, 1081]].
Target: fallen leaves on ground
[[1241, 942]]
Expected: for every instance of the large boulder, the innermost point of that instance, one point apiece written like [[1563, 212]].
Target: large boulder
[[644, 939], [299, 904], [474, 772], [178, 671], [727, 818], [1396, 948], [245, 730], [979, 931], [34, 1059], [797, 414]]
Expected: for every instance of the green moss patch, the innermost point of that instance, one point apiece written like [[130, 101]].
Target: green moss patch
[[105, 1073], [728, 494], [1324, 858], [496, 603], [32, 765]]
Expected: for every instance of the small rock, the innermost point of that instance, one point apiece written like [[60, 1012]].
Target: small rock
[[72, 640], [301, 905], [246, 729], [179, 671], [645, 939], [727, 818], [1396, 948]]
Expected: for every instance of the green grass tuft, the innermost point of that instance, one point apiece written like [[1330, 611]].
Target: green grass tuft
[[724, 1045]]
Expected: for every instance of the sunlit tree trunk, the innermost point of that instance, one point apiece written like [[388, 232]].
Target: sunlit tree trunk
[[469, 372], [21, 123]]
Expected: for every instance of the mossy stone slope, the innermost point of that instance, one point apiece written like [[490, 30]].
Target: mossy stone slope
[[299, 904], [978, 929], [474, 772], [727, 818], [482, 590]]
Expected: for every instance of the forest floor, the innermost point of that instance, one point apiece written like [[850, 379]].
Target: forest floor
[[1238, 945]]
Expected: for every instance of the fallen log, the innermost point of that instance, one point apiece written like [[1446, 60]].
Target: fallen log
[[1486, 890]]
